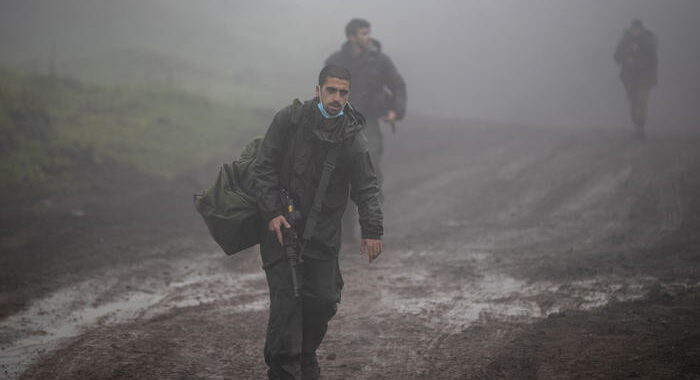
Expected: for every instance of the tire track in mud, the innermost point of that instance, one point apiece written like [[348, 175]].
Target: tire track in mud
[[440, 309], [120, 298], [392, 333], [464, 224]]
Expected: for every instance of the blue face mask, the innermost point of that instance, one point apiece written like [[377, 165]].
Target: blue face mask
[[325, 113]]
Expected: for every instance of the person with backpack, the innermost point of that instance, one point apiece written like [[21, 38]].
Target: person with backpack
[[636, 54], [315, 156]]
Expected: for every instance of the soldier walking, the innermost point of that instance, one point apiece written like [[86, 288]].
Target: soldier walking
[[309, 146], [378, 92], [637, 57]]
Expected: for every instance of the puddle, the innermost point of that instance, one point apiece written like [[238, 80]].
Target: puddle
[[449, 308], [69, 312], [499, 296], [506, 298]]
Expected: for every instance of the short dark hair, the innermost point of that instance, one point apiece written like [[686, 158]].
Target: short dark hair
[[355, 24], [334, 71]]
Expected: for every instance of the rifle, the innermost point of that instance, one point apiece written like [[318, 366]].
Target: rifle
[[292, 245]]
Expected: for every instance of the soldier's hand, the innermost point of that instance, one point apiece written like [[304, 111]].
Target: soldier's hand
[[390, 116], [276, 226], [371, 247]]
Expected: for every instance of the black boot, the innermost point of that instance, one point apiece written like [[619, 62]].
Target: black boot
[[285, 368], [309, 367]]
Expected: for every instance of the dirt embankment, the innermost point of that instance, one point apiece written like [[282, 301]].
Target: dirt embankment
[[515, 253]]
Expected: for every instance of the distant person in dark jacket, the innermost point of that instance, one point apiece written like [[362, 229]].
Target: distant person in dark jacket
[[636, 54], [378, 91], [291, 157]]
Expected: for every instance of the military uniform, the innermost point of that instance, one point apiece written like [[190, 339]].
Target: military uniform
[[291, 156], [377, 87], [637, 56]]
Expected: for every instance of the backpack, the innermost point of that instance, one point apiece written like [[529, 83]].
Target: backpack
[[229, 207]]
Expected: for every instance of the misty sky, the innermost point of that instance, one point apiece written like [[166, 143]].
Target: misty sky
[[532, 62]]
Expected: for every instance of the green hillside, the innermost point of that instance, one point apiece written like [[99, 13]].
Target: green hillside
[[51, 127], [243, 84]]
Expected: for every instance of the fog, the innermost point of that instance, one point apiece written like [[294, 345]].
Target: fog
[[536, 62], [524, 220]]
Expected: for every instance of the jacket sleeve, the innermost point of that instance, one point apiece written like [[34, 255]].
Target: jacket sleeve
[[267, 163], [364, 190], [397, 86]]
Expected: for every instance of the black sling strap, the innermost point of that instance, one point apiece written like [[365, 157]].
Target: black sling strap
[[328, 167], [312, 219]]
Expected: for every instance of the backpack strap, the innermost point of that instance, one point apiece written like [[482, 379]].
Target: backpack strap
[[328, 167], [297, 111]]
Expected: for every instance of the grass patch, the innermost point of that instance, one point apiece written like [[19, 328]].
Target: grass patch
[[131, 65], [51, 127]]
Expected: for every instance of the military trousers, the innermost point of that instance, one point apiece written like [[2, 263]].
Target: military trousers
[[297, 325], [375, 146], [638, 98]]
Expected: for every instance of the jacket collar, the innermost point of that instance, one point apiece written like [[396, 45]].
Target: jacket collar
[[375, 47], [341, 128]]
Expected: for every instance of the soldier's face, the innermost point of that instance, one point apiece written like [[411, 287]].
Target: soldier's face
[[334, 94], [362, 38], [636, 31]]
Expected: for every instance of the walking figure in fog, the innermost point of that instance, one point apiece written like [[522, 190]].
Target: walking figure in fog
[[378, 91], [312, 158], [637, 56]]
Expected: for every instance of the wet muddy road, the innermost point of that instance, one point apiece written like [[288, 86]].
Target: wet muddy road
[[515, 253]]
